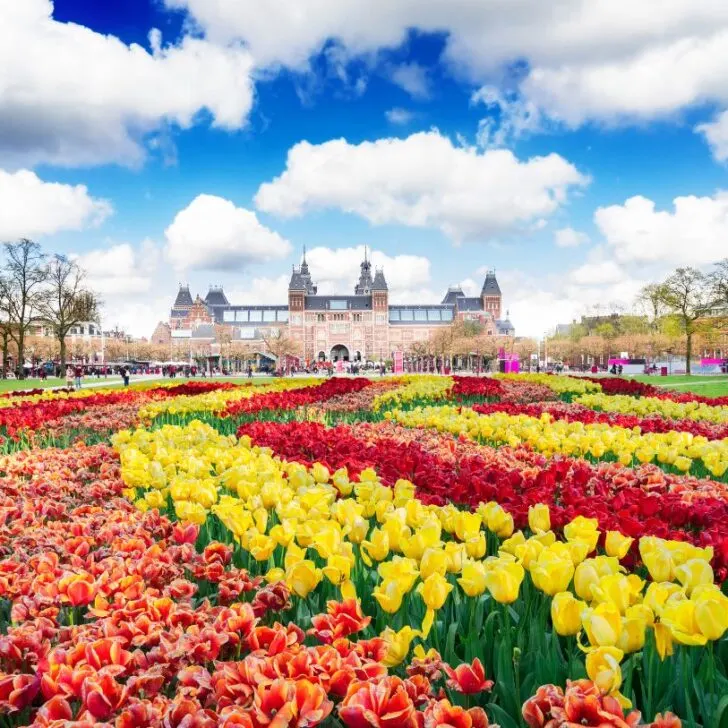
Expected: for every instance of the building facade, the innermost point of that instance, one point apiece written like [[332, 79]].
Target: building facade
[[351, 327]]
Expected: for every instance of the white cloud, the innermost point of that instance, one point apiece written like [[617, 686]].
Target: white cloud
[[30, 207], [413, 78], [512, 117], [70, 96], [716, 134], [569, 238], [421, 181], [584, 59], [597, 273], [120, 269], [336, 270], [262, 291], [211, 233], [399, 116], [694, 232]]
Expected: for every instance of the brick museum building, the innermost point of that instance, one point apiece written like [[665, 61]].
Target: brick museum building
[[357, 326]]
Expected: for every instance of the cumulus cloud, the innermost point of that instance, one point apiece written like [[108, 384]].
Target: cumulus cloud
[[606, 271], [694, 232], [211, 233], [30, 207], [421, 181], [120, 270], [716, 134], [569, 238], [511, 117], [70, 96], [336, 270], [584, 59]]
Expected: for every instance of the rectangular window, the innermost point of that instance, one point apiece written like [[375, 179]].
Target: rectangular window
[[433, 314], [420, 315], [247, 333], [407, 314], [320, 317], [447, 314], [394, 315], [228, 316], [357, 317], [269, 315], [380, 318], [256, 315], [337, 305], [283, 316]]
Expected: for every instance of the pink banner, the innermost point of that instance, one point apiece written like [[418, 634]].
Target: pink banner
[[398, 362]]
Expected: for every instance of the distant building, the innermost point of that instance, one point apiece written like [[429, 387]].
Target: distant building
[[348, 327]]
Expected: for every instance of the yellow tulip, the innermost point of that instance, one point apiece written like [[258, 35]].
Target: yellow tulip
[[398, 644], [602, 667], [341, 482], [694, 573], [303, 577], [261, 547], [188, 511], [473, 578], [583, 529], [528, 552], [294, 554], [274, 575], [402, 570], [337, 569], [657, 595], [476, 547], [434, 591], [154, 499], [632, 635], [389, 594], [603, 625], [511, 544], [467, 525], [566, 613], [376, 549], [320, 473], [357, 530], [681, 619], [657, 558], [283, 533], [589, 572], [617, 545], [503, 581], [455, 554], [552, 572], [663, 640], [711, 616], [539, 518], [433, 561]]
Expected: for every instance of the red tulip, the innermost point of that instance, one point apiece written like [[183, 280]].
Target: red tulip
[[468, 679]]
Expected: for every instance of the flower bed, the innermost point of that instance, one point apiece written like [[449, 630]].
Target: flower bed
[[392, 564]]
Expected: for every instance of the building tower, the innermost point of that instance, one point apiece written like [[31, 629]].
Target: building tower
[[364, 286], [380, 309], [491, 295]]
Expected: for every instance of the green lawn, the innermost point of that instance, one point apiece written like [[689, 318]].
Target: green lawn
[[708, 385]]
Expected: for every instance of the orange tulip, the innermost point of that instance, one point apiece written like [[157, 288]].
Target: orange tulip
[[442, 714], [77, 589], [378, 705], [468, 679]]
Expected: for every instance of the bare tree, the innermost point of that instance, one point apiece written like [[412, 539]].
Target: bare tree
[[24, 274], [65, 301], [719, 283], [279, 344], [687, 295], [650, 299]]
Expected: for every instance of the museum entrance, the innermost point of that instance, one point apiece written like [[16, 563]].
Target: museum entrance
[[339, 353]]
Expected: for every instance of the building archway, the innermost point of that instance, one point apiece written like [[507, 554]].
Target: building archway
[[339, 353]]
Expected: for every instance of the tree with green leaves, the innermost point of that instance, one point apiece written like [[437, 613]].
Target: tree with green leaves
[[687, 296], [66, 301], [21, 288], [650, 299], [719, 283]]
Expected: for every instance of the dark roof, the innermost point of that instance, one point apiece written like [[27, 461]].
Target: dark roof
[[298, 283], [379, 284], [453, 293], [204, 331], [178, 314], [465, 303], [490, 285], [184, 297], [504, 326], [216, 297], [356, 303]]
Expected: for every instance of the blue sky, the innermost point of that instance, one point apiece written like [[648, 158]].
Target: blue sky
[[579, 149]]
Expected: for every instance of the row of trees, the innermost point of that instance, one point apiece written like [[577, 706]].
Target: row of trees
[[688, 311], [40, 290]]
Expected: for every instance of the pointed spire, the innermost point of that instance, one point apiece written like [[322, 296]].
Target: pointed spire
[[304, 254]]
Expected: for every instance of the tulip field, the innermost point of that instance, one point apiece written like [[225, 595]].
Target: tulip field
[[402, 552]]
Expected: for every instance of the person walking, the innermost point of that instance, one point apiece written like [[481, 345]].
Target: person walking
[[69, 376], [78, 373], [125, 376]]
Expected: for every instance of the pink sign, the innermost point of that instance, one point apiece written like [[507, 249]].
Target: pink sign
[[710, 362], [340, 365], [398, 362]]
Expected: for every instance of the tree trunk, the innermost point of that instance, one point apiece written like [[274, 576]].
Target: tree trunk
[[688, 350], [21, 354], [62, 342], [6, 344]]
